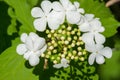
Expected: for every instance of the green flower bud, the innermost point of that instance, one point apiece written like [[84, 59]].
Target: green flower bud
[[47, 31], [69, 28], [52, 31]]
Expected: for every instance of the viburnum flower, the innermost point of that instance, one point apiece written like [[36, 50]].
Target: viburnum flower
[[92, 28], [64, 63], [32, 47], [66, 8], [45, 15], [98, 52]]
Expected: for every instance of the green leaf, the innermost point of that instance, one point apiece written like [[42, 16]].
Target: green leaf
[[12, 66], [22, 10], [12, 27], [99, 10], [111, 69]]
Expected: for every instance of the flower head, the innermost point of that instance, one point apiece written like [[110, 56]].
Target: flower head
[[92, 28], [98, 52], [32, 47], [45, 15], [66, 8], [64, 63]]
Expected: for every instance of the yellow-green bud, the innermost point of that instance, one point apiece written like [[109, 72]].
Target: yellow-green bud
[[69, 38], [75, 37], [49, 35], [52, 31], [62, 55], [78, 33], [79, 53], [66, 42], [74, 52], [78, 43], [60, 31], [49, 52], [51, 47], [42, 55], [68, 33], [55, 61], [47, 31], [73, 32], [72, 57], [55, 34], [73, 45], [62, 38], [69, 28], [79, 48], [55, 51], [82, 58]]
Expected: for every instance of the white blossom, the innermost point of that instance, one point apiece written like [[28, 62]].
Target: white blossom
[[66, 9], [45, 15], [32, 47], [64, 63], [98, 52], [92, 28]]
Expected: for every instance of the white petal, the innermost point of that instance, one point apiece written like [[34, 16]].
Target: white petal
[[90, 47], [82, 20], [40, 24], [95, 24], [64, 3], [100, 59], [57, 6], [55, 19], [64, 61], [91, 58], [99, 38], [43, 49], [23, 37], [46, 6], [73, 17], [102, 29], [39, 43], [37, 12], [33, 36], [57, 66], [29, 43], [34, 60], [80, 10], [38, 53], [65, 66], [99, 47], [21, 49], [89, 17], [71, 7], [77, 5], [88, 38], [27, 55], [85, 27], [107, 52]]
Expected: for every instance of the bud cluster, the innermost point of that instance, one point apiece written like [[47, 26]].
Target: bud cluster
[[64, 43]]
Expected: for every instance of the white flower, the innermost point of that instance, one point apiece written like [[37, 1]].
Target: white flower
[[98, 52], [66, 8], [64, 63], [77, 5], [93, 28], [45, 15], [32, 47]]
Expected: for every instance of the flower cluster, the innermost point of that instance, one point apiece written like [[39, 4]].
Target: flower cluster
[[70, 35], [32, 47]]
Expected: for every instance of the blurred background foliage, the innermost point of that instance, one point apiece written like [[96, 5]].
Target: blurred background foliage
[[15, 18]]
